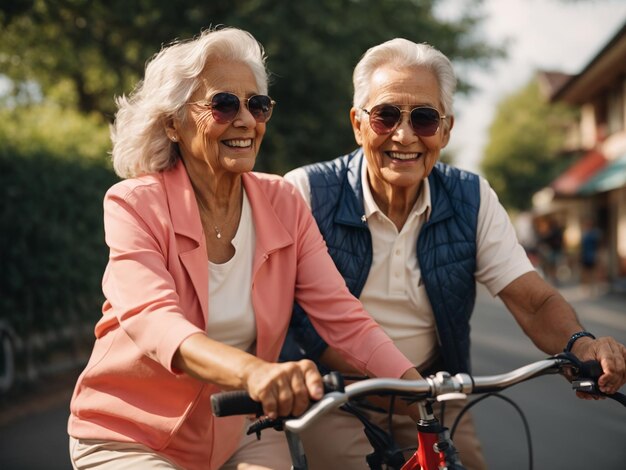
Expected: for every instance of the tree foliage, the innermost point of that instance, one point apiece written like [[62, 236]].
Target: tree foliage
[[82, 53], [51, 130], [523, 153]]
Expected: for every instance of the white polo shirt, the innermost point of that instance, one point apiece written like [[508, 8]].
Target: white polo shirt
[[394, 294]]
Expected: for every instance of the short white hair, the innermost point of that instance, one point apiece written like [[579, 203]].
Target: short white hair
[[140, 144], [402, 53]]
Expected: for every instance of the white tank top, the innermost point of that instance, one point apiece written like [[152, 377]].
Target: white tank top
[[231, 315]]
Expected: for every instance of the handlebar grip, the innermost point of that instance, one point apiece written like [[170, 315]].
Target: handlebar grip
[[590, 370], [237, 402]]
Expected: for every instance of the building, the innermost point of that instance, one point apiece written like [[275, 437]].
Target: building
[[594, 185]]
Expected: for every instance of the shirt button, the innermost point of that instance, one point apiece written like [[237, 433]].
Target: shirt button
[[397, 252], [397, 274]]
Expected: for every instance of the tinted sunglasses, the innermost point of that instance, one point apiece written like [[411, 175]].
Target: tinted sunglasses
[[384, 118], [225, 107]]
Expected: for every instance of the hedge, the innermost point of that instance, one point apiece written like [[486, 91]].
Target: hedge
[[52, 253]]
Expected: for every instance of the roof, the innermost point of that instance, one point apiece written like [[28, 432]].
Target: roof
[[613, 176], [603, 70], [581, 171], [551, 82]]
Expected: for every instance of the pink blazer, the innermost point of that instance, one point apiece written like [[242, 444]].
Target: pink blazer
[[156, 289]]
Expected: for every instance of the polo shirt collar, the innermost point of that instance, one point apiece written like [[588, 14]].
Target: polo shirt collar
[[422, 204]]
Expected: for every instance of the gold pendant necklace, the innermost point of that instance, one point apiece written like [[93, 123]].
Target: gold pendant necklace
[[204, 209]]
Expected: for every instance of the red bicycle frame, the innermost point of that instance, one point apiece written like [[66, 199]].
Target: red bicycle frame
[[435, 449], [425, 458]]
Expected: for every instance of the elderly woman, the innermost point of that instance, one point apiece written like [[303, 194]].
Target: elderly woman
[[206, 260], [412, 237]]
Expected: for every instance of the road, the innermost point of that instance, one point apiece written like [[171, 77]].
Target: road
[[567, 433]]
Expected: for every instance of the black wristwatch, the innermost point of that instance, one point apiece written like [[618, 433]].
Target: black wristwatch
[[575, 337]]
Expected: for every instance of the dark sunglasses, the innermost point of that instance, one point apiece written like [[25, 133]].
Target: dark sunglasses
[[225, 107], [384, 118]]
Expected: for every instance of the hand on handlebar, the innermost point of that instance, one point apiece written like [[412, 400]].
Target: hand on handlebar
[[284, 389], [231, 403], [612, 358]]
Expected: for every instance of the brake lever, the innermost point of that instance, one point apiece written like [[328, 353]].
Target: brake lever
[[266, 423], [332, 382]]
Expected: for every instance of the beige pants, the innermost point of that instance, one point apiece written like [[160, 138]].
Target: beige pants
[[111, 455], [337, 442]]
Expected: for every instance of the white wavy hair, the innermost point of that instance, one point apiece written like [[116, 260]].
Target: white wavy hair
[[402, 53], [140, 144]]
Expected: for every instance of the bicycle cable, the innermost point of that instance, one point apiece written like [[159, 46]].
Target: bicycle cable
[[474, 402]]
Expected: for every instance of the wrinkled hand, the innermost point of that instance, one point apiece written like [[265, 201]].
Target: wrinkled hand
[[284, 389], [612, 358]]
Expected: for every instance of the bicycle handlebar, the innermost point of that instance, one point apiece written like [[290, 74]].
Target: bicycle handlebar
[[434, 387]]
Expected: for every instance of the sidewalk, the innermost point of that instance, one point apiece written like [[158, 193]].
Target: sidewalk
[[43, 394], [601, 297], [603, 313]]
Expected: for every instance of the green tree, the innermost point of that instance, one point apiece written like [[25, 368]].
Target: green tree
[[523, 153], [82, 53]]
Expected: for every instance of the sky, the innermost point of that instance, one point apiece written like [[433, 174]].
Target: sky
[[555, 35]]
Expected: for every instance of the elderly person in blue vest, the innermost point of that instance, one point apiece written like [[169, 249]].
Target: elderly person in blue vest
[[411, 237]]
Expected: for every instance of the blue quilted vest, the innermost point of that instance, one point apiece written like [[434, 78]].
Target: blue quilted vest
[[446, 251]]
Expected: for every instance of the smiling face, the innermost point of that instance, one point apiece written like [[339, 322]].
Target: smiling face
[[227, 148], [401, 159]]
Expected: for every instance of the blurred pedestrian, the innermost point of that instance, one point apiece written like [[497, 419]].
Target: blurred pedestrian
[[527, 237], [589, 250], [551, 242]]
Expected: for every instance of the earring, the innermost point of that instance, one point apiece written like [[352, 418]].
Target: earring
[[173, 138]]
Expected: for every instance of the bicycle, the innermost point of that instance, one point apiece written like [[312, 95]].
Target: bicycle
[[435, 448]]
